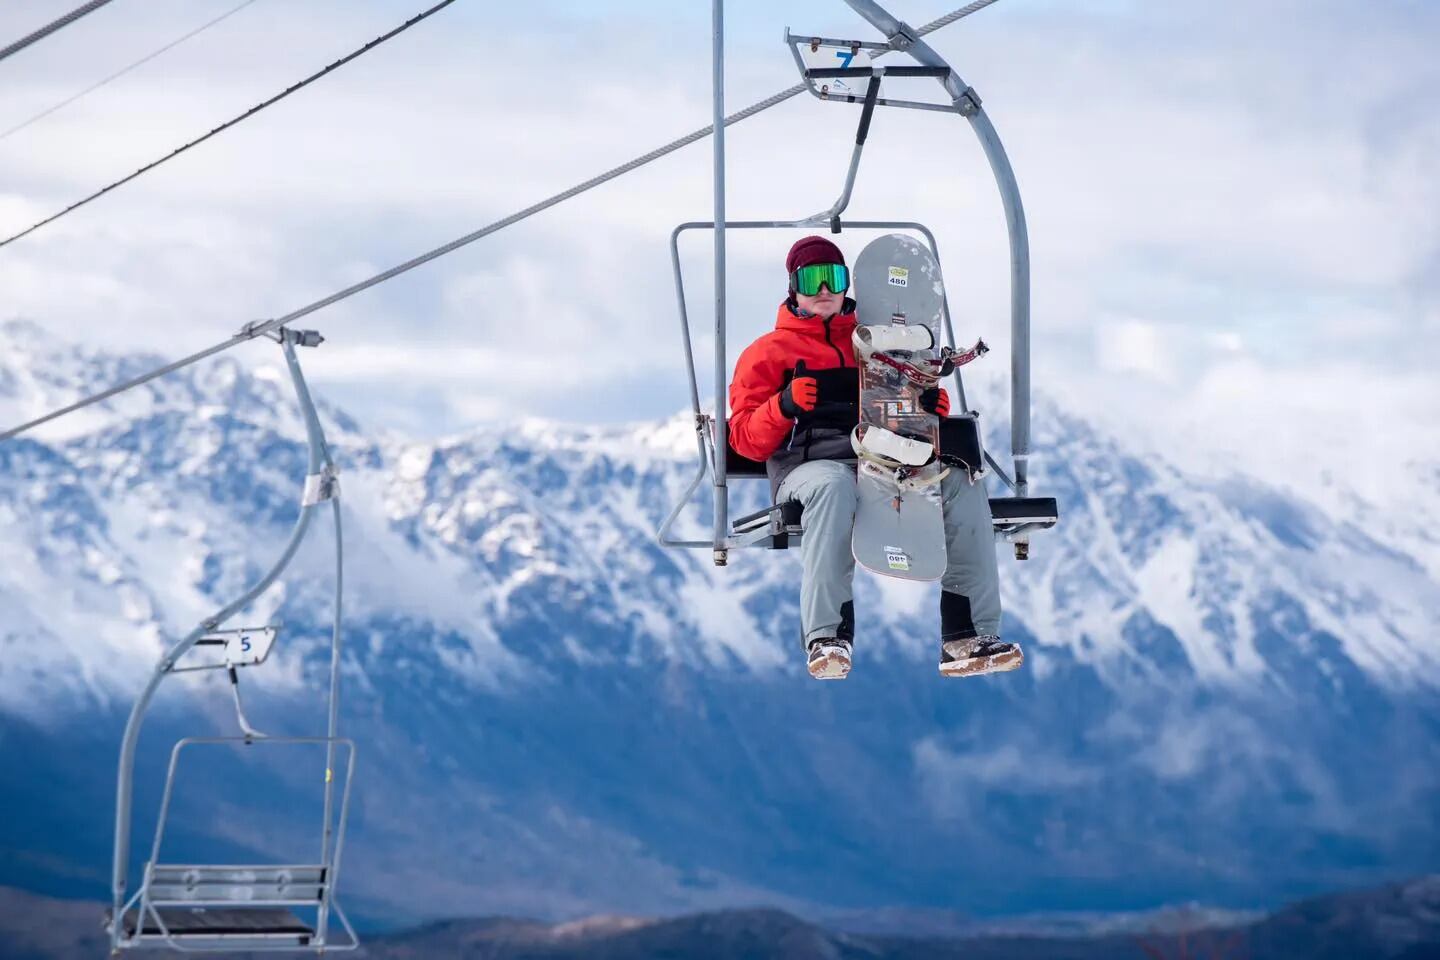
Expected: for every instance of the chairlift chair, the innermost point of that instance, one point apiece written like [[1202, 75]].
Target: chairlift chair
[[844, 71], [228, 908]]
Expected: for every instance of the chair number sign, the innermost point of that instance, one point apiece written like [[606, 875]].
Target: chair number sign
[[844, 56], [247, 647]]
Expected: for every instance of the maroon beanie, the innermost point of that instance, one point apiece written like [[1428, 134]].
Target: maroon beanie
[[811, 250]]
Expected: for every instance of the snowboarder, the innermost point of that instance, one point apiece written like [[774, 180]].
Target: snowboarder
[[794, 400]]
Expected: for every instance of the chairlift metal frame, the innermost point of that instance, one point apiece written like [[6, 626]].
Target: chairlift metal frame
[[1015, 517], [243, 907]]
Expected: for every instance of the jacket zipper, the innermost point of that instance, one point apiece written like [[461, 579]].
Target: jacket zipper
[[833, 346]]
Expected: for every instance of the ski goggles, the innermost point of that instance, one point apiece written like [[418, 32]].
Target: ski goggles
[[807, 280]]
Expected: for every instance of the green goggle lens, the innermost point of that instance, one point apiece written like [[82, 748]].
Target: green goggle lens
[[807, 280]]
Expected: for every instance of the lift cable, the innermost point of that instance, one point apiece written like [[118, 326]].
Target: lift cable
[[121, 72], [51, 27], [261, 327], [234, 120], [954, 15]]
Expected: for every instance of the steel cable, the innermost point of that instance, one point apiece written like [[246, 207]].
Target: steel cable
[[124, 70], [293, 88], [256, 329], [954, 15], [51, 27]]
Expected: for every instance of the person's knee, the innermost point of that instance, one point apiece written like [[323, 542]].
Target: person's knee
[[834, 493], [959, 495], [954, 485]]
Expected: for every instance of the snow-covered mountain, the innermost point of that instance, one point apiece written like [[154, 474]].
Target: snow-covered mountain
[[1231, 694]]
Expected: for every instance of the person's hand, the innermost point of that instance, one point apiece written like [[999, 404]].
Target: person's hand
[[936, 400], [799, 397]]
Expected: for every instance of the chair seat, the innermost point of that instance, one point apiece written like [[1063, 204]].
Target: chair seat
[[254, 923]]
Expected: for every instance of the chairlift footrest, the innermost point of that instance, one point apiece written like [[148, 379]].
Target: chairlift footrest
[[751, 520], [1009, 512], [782, 521]]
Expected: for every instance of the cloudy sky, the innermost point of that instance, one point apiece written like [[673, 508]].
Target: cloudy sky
[[1234, 206]]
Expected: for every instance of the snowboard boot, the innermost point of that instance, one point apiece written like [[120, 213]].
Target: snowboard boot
[[962, 653], [829, 658], [972, 656]]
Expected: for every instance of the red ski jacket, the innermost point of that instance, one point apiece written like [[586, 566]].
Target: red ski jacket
[[758, 429]]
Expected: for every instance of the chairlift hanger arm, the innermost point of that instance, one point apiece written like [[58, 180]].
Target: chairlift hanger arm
[[967, 103]]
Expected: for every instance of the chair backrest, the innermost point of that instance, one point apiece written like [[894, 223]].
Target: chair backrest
[[739, 466], [240, 884]]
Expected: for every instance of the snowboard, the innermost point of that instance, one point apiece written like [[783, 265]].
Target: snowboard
[[899, 524]]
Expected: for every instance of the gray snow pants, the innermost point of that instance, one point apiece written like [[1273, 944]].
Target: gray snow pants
[[827, 489]]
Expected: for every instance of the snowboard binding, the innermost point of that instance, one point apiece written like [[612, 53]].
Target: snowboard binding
[[895, 458]]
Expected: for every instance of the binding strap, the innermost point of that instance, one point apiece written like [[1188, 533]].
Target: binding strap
[[896, 336], [905, 479], [889, 449]]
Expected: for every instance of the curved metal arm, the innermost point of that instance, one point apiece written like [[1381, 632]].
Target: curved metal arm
[[124, 792], [662, 535], [320, 453], [967, 104]]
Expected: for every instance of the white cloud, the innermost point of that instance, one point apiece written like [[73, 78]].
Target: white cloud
[[1135, 346], [1214, 242], [946, 772]]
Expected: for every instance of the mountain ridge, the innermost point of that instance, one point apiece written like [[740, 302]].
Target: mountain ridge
[[1395, 921], [1215, 674]]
